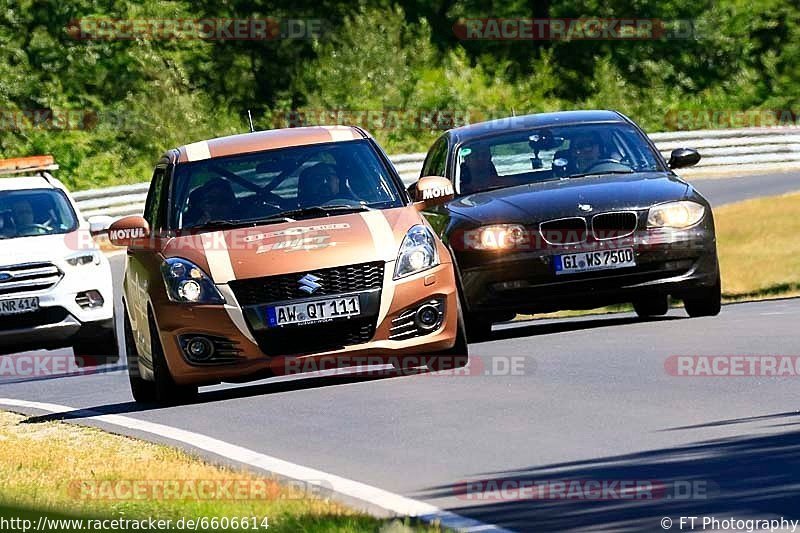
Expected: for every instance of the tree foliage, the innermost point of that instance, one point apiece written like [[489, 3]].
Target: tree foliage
[[130, 99]]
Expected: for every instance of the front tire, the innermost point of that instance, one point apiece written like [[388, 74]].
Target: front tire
[[704, 302], [458, 355], [478, 327], [655, 305], [143, 391], [101, 350]]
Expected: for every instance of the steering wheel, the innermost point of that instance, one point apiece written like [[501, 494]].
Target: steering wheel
[[268, 198], [42, 227], [607, 161]]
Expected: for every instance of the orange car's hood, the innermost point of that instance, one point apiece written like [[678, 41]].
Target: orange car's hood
[[299, 246]]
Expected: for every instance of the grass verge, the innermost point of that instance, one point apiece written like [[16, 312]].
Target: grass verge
[[64, 471]]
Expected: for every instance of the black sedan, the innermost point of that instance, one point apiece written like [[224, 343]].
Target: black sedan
[[571, 210]]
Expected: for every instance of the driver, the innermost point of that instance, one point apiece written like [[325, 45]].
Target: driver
[[585, 151], [321, 184], [479, 171], [22, 211], [211, 201]]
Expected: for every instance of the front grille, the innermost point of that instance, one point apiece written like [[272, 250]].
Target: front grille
[[297, 340], [564, 231], [42, 317], [613, 225], [28, 277], [337, 280]]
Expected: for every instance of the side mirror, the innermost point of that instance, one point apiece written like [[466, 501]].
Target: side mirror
[[432, 190], [99, 224], [683, 157], [126, 230]]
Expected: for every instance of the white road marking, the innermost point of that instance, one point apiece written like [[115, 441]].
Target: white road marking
[[394, 503]]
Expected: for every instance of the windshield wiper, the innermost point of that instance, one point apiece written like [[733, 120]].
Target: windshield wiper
[[327, 210], [631, 171], [242, 223]]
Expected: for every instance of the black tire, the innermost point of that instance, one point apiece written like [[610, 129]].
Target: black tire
[[143, 391], [654, 305], [704, 302], [101, 350], [458, 355], [167, 391], [478, 327]]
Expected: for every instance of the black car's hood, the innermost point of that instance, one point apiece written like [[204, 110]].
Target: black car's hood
[[560, 198]]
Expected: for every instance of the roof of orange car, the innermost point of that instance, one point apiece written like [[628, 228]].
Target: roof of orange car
[[267, 140]]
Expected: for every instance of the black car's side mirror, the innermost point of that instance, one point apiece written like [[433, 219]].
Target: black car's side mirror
[[683, 157]]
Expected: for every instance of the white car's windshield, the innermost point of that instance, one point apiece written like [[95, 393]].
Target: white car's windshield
[[28, 213], [517, 158]]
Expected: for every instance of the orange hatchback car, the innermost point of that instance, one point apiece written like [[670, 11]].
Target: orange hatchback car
[[283, 251]]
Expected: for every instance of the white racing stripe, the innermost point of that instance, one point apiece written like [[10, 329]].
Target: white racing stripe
[[383, 237], [340, 133], [389, 501], [198, 151]]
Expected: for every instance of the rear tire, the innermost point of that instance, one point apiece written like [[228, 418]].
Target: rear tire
[[101, 350], [143, 391], [458, 355], [704, 302], [655, 305], [167, 392]]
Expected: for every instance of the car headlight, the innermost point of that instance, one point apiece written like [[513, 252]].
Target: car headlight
[[675, 215], [417, 253], [187, 283], [498, 237], [84, 258]]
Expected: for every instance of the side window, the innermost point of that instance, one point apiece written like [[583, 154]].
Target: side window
[[155, 198], [436, 160]]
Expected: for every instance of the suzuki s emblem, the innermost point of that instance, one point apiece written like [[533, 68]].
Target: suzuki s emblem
[[308, 283], [5, 276], [585, 207]]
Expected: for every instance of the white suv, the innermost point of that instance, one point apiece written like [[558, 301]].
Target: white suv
[[55, 284]]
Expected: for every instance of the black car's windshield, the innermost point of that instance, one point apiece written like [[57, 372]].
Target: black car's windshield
[[280, 185], [32, 212], [517, 158]]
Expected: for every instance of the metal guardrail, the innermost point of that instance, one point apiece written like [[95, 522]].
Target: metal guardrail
[[723, 151]]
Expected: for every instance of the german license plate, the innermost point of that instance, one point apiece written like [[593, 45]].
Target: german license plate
[[589, 261], [313, 311], [18, 306]]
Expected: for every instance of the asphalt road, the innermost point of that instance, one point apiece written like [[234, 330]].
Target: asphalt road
[[590, 400]]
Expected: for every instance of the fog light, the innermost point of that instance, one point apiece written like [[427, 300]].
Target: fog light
[[199, 348], [427, 316]]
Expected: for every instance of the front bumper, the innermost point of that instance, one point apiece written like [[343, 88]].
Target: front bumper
[[667, 262], [230, 322]]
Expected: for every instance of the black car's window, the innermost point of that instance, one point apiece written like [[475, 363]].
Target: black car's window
[[272, 183], [436, 159], [27, 213], [552, 153]]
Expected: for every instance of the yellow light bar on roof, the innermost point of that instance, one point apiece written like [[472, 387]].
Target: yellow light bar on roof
[[36, 162]]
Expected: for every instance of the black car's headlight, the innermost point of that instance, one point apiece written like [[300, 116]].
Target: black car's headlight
[[417, 253], [187, 283], [679, 215], [497, 237]]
